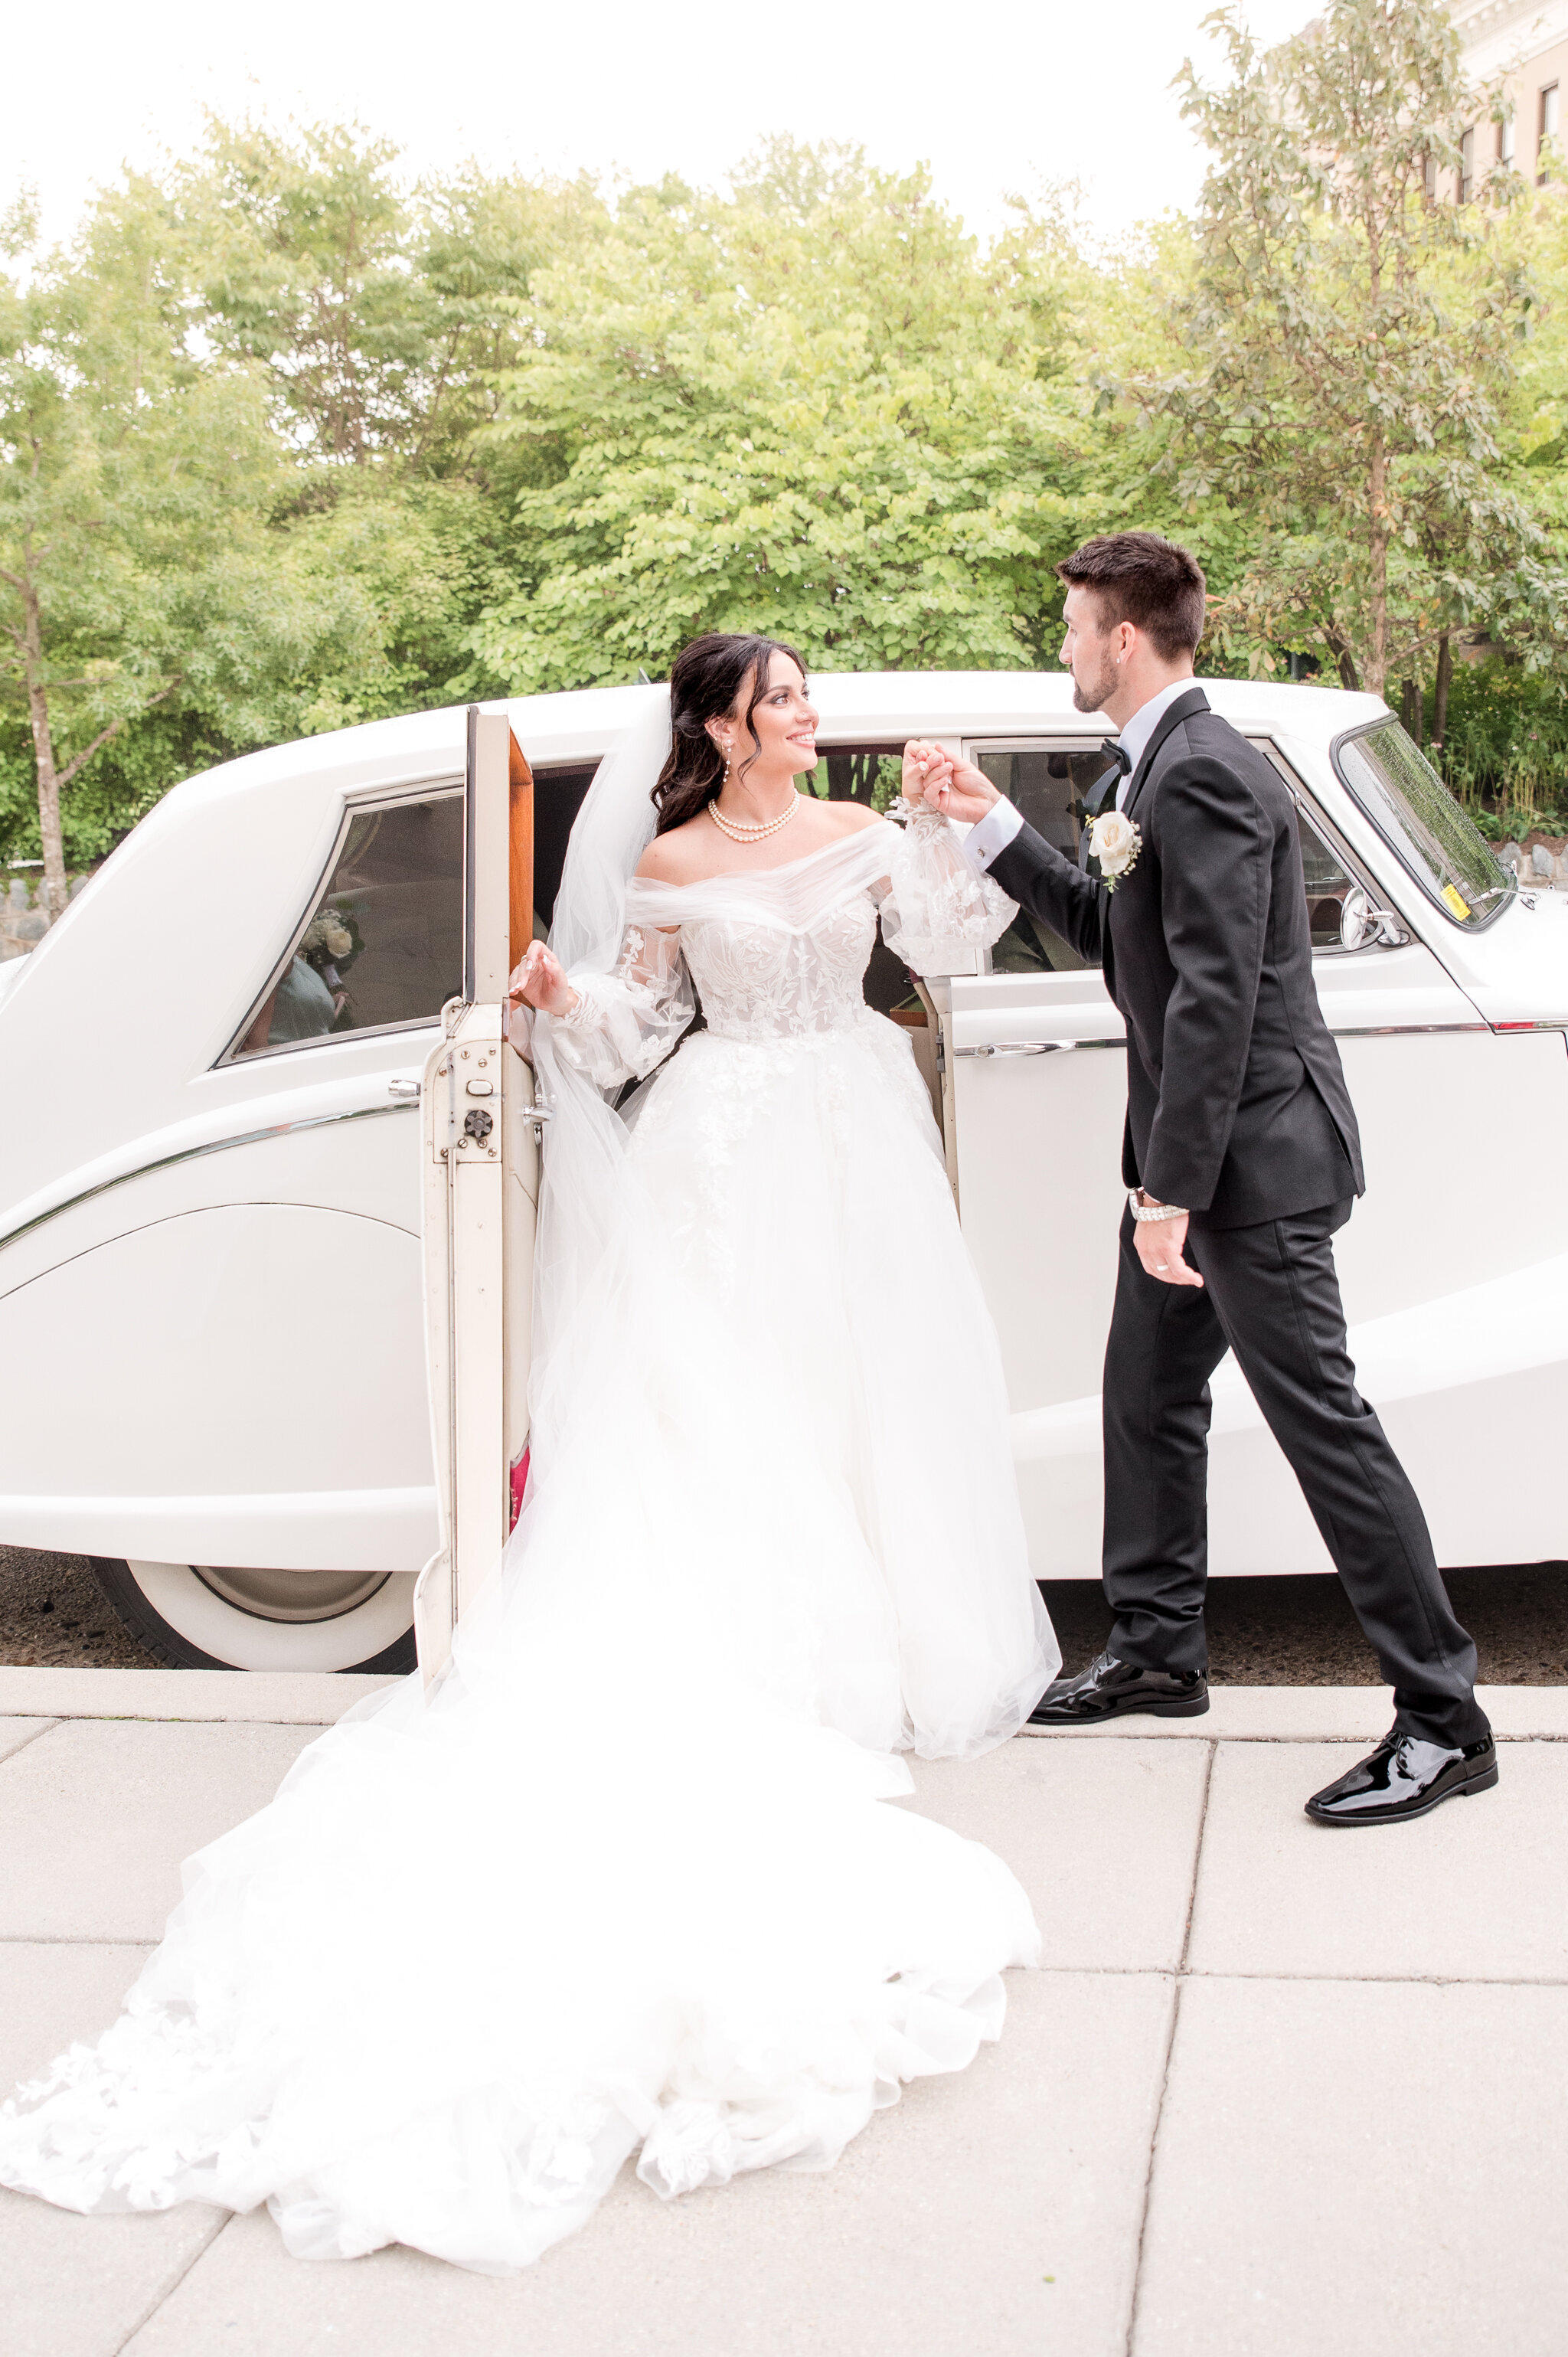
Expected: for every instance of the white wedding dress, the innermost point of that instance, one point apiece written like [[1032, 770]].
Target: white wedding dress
[[629, 1877]]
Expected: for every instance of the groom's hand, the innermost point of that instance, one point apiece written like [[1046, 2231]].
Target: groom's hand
[[1160, 1245], [954, 787]]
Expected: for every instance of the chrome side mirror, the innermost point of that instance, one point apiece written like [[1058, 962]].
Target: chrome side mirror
[[1361, 923]]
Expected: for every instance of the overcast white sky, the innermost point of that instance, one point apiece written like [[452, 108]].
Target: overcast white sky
[[997, 94]]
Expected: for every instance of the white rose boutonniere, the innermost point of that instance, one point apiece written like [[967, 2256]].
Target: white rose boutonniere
[[1115, 842]]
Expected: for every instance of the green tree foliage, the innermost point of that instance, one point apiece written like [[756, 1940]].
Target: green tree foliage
[[287, 441], [1353, 338], [816, 408], [132, 483]]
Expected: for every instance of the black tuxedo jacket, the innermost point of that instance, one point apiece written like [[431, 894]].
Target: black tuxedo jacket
[[1236, 1101]]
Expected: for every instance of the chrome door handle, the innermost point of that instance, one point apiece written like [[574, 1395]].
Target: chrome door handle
[[1021, 1047], [407, 1092]]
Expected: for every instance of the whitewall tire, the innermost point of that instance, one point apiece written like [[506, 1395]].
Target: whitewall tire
[[201, 1616]]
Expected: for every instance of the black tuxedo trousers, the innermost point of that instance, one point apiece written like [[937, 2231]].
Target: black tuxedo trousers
[[1271, 1293]]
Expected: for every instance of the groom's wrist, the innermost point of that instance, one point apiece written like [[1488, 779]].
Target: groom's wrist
[[1143, 1206]]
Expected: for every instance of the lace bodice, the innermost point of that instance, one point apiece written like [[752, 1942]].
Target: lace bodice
[[759, 982], [776, 954]]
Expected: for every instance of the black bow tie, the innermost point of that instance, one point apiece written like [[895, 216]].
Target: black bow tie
[[1105, 784]]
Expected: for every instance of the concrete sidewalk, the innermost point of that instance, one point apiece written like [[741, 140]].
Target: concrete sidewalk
[[1279, 2092]]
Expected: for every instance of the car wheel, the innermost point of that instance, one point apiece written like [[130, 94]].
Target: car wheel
[[206, 1616]]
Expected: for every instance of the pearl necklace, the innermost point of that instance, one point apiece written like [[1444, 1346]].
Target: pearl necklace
[[741, 833]]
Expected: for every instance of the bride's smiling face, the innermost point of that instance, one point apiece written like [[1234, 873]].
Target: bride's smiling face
[[785, 720]]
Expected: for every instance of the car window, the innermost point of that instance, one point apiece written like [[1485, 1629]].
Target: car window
[[873, 774], [1052, 785], [558, 796], [383, 945], [1327, 879], [1414, 811]]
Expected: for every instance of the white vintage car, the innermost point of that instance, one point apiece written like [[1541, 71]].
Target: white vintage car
[[218, 1332]]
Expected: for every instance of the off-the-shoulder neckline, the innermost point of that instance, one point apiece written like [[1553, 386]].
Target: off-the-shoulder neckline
[[754, 875]]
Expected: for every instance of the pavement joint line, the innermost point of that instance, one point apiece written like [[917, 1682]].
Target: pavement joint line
[[76, 1940], [167, 1718], [1176, 1979], [28, 1740], [168, 2289], [1122, 1733], [1051, 1971]]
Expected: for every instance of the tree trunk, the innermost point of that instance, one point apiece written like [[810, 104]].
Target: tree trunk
[[55, 892], [1439, 694], [1344, 662], [1410, 708], [1377, 568]]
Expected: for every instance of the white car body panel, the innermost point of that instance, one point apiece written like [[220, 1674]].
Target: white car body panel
[[210, 1303]]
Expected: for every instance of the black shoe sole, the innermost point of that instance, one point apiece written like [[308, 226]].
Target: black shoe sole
[[1127, 1710], [1481, 1784]]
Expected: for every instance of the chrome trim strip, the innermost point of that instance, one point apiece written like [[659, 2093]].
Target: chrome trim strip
[[196, 1154], [1340, 1031], [1399, 1031], [1035, 1047]]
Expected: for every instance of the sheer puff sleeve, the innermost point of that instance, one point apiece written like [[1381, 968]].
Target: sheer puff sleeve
[[625, 1022], [934, 898]]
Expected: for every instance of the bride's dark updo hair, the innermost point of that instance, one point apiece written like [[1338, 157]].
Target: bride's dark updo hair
[[705, 678]]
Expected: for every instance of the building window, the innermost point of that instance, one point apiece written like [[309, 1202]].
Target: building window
[[1467, 167], [1505, 141], [1548, 131], [1431, 179]]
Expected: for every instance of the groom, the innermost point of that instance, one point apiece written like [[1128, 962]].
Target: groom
[[1241, 1160]]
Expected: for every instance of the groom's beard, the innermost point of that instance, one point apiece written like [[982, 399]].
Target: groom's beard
[[1092, 697]]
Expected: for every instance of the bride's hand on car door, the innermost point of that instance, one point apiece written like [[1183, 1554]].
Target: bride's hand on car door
[[540, 982]]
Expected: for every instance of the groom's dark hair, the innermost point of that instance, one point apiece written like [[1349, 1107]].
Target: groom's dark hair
[[1140, 578]]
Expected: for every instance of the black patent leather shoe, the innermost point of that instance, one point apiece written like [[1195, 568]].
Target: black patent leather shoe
[[1109, 1687], [1405, 1777]]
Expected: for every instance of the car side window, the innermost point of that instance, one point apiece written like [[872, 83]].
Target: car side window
[[382, 947], [1328, 881], [1058, 788], [1325, 871]]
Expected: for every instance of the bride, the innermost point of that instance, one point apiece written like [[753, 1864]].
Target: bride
[[627, 1877]]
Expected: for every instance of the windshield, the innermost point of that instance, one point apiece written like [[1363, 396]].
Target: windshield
[[1408, 803]]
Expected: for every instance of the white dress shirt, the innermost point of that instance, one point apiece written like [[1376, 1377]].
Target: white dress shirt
[[991, 835]]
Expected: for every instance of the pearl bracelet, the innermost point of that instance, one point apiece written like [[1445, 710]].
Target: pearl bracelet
[[1152, 1210]]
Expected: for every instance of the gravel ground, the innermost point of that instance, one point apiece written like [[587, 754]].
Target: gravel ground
[[1261, 1632], [54, 1615], [1301, 1633]]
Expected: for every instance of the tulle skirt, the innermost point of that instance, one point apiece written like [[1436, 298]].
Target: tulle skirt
[[628, 1880]]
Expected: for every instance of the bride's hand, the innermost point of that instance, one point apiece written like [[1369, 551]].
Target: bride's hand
[[962, 792], [540, 982], [954, 787], [926, 768]]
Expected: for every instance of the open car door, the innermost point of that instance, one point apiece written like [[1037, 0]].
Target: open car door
[[481, 1157]]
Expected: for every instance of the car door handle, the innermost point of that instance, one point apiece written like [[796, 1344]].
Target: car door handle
[[407, 1092], [1021, 1047]]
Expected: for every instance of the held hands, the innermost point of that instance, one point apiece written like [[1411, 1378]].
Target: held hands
[[939, 778], [540, 982]]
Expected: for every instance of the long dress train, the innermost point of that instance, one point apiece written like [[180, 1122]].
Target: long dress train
[[627, 1876]]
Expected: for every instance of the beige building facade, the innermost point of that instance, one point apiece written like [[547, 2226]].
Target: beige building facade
[[1526, 43]]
